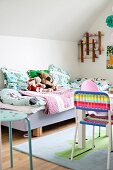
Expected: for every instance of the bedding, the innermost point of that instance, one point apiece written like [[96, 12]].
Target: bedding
[[13, 97], [102, 84], [59, 76], [56, 101], [15, 79], [25, 109]]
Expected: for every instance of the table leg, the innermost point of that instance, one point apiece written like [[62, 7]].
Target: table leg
[[30, 145], [81, 130], [0, 149], [10, 141]]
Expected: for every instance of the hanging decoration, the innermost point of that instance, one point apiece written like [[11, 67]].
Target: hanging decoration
[[109, 57], [109, 21]]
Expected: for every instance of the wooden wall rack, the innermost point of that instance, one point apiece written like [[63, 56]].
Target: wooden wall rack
[[89, 45]]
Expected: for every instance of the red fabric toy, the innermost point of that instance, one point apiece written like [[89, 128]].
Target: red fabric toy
[[35, 85]]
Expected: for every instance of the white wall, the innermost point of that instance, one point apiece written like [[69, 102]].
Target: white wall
[[98, 68], [31, 53], [48, 19]]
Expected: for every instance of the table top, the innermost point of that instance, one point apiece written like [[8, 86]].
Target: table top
[[11, 115]]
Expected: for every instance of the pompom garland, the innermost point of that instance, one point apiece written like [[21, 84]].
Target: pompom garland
[[109, 21]]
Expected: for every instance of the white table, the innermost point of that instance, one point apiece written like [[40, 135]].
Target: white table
[[82, 129]]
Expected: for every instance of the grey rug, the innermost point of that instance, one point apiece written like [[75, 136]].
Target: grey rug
[[47, 146]]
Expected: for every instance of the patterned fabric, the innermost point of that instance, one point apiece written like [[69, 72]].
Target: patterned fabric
[[102, 84], [15, 79], [98, 121], [76, 83], [57, 101], [92, 101], [13, 97], [99, 118], [8, 115], [59, 76]]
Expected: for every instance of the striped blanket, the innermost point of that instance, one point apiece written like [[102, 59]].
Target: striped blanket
[[56, 101]]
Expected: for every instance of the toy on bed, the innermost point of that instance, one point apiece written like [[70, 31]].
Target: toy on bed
[[34, 84], [47, 81]]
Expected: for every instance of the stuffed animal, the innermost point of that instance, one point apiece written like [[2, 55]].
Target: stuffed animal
[[34, 84], [47, 81]]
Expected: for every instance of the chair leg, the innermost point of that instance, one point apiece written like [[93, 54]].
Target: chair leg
[[74, 142], [109, 152], [109, 140], [93, 145], [30, 145], [99, 131], [10, 141]]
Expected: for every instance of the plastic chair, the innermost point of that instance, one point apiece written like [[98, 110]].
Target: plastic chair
[[98, 102], [89, 85]]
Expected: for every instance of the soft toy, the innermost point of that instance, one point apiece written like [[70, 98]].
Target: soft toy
[[34, 84], [47, 81]]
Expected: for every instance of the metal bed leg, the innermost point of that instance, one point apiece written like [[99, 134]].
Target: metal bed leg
[[30, 146], [10, 141]]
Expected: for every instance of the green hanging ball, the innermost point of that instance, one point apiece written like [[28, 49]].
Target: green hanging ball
[[109, 21]]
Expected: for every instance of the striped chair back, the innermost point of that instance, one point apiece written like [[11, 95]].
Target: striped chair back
[[92, 101]]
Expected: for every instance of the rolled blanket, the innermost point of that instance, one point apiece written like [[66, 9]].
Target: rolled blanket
[[13, 97]]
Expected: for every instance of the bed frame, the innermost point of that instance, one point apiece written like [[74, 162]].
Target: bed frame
[[40, 119]]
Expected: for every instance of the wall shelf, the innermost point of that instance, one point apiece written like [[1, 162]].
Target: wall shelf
[[90, 45]]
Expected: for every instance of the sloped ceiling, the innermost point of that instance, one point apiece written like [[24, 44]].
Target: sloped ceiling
[[49, 19]]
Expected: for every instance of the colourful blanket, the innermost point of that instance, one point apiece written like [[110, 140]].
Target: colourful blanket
[[56, 101]]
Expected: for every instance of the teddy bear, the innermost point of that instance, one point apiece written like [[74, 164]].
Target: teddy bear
[[47, 81]]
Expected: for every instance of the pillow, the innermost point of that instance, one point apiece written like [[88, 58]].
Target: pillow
[[76, 83], [59, 76], [34, 73], [15, 79], [103, 84]]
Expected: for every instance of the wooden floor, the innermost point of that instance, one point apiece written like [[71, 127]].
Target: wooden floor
[[21, 161]]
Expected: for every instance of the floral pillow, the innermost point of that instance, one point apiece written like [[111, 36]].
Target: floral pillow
[[103, 84], [15, 79], [60, 76], [76, 83]]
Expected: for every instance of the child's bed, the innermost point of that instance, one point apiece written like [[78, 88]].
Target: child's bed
[[49, 108], [36, 114]]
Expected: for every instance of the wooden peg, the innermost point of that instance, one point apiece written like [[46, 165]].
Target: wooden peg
[[82, 51], [87, 43], [93, 51], [99, 43]]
